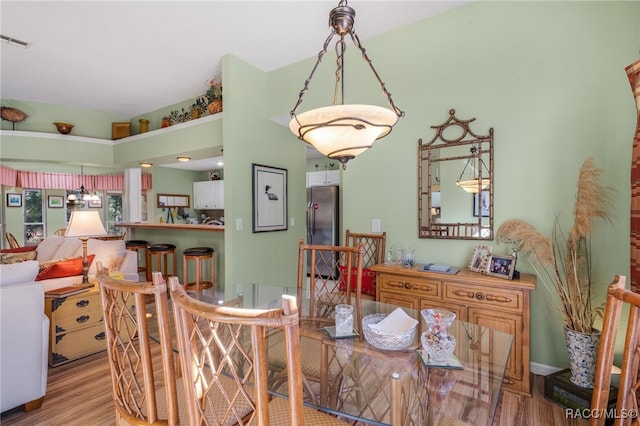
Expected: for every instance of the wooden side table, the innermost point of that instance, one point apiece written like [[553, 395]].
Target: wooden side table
[[76, 328]]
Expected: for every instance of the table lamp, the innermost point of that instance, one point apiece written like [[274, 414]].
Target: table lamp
[[84, 224]]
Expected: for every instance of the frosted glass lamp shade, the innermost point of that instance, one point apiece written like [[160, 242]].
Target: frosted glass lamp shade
[[343, 131], [472, 186]]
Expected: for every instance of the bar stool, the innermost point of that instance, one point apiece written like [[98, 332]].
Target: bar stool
[[200, 255], [160, 253], [137, 246]]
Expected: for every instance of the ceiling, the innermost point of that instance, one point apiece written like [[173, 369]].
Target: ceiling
[[132, 57]]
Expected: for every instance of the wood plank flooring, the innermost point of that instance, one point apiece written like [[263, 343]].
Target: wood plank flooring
[[79, 394]]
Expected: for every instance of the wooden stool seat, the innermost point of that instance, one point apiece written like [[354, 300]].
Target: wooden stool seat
[[160, 253], [137, 246], [199, 254]]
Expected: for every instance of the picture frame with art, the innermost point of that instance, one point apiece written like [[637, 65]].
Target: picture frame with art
[[269, 194], [14, 200], [55, 201], [480, 259], [501, 266], [481, 204]]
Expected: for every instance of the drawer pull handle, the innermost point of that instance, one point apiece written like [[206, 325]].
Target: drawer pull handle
[[463, 293], [82, 303], [99, 336], [500, 299], [395, 284], [408, 286], [479, 296], [82, 318]]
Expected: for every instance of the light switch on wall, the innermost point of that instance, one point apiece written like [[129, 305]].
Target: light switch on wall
[[292, 221], [376, 225], [239, 225]]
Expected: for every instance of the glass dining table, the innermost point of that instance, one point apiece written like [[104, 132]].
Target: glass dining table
[[360, 382]]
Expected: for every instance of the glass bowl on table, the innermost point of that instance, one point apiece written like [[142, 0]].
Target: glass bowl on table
[[392, 340]]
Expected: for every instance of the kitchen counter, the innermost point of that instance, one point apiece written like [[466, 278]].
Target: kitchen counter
[[171, 226]]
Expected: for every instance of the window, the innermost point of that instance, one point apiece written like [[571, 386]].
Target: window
[[33, 217], [113, 211]]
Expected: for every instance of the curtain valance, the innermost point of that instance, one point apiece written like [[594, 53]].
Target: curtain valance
[[67, 181]]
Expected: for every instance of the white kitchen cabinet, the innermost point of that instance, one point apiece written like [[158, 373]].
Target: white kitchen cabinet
[[208, 195], [327, 178]]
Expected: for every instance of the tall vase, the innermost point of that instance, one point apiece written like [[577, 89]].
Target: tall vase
[[583, 354]]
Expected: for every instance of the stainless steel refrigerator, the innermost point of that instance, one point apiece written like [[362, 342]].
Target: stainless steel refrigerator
[[322, 219]]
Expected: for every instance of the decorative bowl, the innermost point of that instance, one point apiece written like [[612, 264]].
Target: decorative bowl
[[384, 341], [64, 128]]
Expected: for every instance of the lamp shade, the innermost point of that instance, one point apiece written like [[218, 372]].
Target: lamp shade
[[85, 223], [473, 186], [343, 131]]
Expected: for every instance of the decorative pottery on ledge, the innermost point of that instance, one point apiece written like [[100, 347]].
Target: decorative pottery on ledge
[[215, 106], [64, 128]]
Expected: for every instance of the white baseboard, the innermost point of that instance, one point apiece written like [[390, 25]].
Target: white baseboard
[[543, 369]]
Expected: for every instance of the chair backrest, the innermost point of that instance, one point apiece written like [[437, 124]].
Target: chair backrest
[[60, 232], [13, 242], [373, 246], [223, 349], [128, 344], [334, 276], [629, 386]]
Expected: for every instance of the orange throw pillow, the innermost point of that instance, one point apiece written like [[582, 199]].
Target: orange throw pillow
[[62, 268]]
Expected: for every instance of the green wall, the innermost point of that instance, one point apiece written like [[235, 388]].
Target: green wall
[[249, 137], [547, 76]]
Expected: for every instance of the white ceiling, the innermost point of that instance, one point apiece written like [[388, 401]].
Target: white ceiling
[[132, 57]]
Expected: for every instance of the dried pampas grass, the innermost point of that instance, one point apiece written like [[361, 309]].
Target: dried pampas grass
[[563, 262]]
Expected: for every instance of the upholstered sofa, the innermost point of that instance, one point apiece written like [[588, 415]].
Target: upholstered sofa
[[24, 337], [25, 275]]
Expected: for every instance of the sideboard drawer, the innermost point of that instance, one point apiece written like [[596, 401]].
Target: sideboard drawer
[[484, 296], [421, 287], [69, 346], [77, 312]]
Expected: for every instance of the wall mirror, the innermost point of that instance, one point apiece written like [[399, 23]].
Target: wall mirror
[[173, 200], [455, 182]]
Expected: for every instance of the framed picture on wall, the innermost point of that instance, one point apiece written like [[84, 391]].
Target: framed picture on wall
[[481, 202], [269, 198], [96, 203], [55, 201], [14, 200]]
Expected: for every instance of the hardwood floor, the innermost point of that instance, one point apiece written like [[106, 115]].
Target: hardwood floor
[[79, 394]]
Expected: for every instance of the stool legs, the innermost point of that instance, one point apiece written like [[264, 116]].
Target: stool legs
[[199, 282], [162, 263]]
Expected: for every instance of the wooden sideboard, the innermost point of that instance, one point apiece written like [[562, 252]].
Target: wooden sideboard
[[491, 302]]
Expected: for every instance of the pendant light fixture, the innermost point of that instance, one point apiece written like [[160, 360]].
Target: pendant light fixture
[[475, 183], [81, 195], [342, 131]]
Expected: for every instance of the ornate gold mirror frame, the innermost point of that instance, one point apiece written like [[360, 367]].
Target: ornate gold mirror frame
[[455, 183]]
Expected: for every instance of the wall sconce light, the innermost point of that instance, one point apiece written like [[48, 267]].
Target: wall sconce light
[[342, 131]]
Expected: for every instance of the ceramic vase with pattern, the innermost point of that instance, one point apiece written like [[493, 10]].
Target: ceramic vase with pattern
[[583, 354]]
